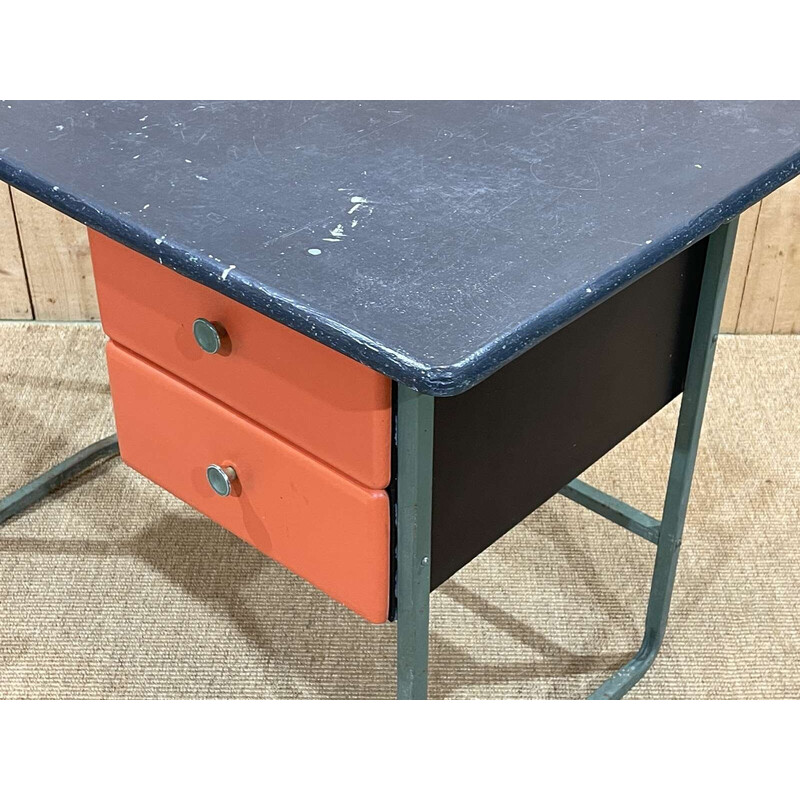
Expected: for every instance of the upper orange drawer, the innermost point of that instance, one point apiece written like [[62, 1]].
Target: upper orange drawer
[[319, 523], [323, 401]]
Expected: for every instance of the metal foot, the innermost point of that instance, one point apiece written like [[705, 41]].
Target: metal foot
[[684, 455], [57, 476]]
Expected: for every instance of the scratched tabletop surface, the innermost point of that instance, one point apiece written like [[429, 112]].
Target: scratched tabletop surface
[[432, 241]]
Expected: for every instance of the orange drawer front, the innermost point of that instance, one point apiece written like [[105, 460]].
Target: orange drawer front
[[317, 398], [319, 523]]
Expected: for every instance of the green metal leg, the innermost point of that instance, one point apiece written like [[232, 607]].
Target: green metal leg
[[690, 421], [414, 479], [56, 477]]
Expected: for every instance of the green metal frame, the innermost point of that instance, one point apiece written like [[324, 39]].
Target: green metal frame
[[415, 456], [414, 484], [414, 497]]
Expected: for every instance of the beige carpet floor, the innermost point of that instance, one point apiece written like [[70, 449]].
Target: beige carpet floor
[[113, 589]]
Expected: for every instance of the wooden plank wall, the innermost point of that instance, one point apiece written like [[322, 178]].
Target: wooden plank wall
[[15, 302], [45, 268], [764, 291]]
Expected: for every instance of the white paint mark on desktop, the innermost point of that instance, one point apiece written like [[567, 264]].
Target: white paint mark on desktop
[[359, 202]]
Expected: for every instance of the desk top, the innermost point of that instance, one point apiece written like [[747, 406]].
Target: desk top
[[432, 241]]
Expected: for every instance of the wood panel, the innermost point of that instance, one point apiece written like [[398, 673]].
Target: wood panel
[[544, 418], [14, 299], [771, 297], [742, 253], [57, 260], [784, 228]]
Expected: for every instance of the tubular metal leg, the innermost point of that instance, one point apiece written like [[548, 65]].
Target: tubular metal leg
[[56, 476], [414, 479], [690, 421]]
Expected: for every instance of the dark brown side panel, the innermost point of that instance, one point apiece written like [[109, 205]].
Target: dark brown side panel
[[508, 445]]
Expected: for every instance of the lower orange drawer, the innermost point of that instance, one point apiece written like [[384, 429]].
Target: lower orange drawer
[[317, 522]]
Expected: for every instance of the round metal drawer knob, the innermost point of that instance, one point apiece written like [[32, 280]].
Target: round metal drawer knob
[[209, 335], [221, 479]]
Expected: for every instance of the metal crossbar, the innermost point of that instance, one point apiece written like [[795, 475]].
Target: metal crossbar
[[56, 477], [612, 509]]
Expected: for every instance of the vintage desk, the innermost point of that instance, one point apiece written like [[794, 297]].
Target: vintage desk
[[369, 338]]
